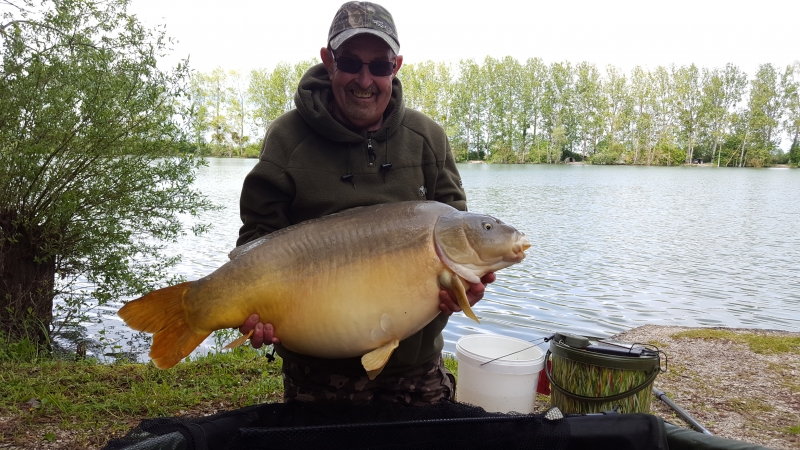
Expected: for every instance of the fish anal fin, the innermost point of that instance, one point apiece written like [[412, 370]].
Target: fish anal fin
[[453, 282], [241, 340], [375, 360]]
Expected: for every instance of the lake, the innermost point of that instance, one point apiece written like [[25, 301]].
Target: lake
[[613, 248]]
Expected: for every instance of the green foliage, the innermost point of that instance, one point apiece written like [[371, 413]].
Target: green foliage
[[451, 363], [779, 157], [91, 184], [608, 156], [252, 151], [18, 350], [794, 153]]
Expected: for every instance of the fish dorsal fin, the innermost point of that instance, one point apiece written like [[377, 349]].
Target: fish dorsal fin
[[375, 360], [453, 282]]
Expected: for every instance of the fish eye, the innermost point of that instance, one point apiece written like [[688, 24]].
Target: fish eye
[[487, 226]]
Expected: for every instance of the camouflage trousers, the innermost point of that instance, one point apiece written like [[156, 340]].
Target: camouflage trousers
[[419, 386]]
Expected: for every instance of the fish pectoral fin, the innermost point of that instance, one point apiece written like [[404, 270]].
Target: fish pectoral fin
[[241, 340], [375, 360], [453, 282]]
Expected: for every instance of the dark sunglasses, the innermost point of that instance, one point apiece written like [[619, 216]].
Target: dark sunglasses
[[354, 65]]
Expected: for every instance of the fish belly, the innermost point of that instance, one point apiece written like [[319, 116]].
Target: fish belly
[[364, 307]]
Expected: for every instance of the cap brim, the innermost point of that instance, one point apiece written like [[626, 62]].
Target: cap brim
[[339, 39]]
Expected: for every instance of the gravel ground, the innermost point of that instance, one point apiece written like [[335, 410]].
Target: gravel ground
[[732, 391]]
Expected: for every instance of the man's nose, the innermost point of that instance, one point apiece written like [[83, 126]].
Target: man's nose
[[364, 78]]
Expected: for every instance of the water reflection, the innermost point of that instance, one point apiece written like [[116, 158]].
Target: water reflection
[[613, 247]]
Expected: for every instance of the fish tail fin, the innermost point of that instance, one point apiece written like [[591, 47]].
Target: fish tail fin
[[161, 312]]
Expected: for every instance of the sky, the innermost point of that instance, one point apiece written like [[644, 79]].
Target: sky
[[245, 35]]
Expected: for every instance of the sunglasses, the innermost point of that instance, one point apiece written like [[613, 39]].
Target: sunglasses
[[354, 65]]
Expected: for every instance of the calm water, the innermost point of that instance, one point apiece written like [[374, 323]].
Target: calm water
[[613, 247]]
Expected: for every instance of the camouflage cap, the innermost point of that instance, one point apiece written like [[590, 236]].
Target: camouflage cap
[[363, 17]]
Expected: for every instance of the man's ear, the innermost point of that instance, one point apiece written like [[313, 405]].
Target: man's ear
[[327, 59], [398, 62]]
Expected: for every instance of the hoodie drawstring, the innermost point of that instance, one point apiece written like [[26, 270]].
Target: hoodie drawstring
[[349, 175], [387, 166]]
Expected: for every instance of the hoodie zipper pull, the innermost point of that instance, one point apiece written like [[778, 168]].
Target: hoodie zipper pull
[[371, 151]]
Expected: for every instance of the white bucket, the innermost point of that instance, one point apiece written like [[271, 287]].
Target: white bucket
[[504, 385]]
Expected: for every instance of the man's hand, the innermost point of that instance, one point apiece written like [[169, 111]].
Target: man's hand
[[449, 303], [263, 333]]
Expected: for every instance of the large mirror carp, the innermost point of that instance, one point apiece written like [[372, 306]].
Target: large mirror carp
[[350, 284]]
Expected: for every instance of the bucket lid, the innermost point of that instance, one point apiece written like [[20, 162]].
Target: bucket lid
[[500, 354], [644, 360]]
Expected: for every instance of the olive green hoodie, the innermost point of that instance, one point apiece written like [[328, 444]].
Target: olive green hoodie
[[311, 165]]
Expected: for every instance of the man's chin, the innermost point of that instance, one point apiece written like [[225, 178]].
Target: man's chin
[[361, 117]]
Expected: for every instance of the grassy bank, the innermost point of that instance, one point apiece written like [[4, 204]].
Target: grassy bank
[[85, 403], [82, 404]]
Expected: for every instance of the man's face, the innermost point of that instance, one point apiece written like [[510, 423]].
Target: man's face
[[361, 98]]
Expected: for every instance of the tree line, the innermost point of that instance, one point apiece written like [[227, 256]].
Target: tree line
[[507, 111]]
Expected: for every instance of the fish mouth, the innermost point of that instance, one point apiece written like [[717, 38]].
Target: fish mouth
[[519, 247]]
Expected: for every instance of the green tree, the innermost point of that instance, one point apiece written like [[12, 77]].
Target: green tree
[[271, 93], [618, 114], [506, 117], [589, 105], [90, 185], [643, 104], [237, 105], [763, 118], [428, 87], [687, 102], [469, 108], [791, 101], [197, 111], [559, 116], [722, 89], [664, 117], [533, 81], [217, 95]]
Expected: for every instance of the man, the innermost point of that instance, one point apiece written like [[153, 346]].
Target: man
[[351, 142]]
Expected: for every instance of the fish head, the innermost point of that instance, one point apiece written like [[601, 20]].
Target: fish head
[[476, 244]]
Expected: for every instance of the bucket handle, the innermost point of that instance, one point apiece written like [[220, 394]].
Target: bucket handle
[[609, 398]]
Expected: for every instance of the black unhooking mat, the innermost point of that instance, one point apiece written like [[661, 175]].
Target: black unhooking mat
[[388, 426]]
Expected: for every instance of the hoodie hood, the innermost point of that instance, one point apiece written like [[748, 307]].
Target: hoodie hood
[[314, 100]]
